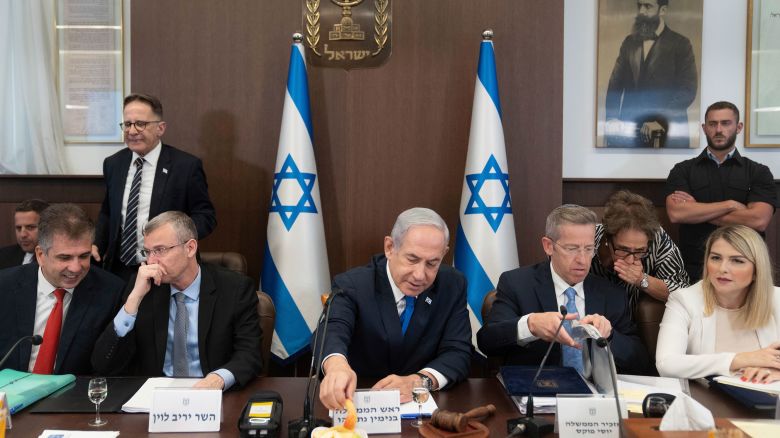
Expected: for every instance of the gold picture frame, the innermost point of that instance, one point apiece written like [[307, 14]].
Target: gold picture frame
[[762, 89]]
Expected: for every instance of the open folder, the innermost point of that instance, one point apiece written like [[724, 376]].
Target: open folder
[[24, 389]]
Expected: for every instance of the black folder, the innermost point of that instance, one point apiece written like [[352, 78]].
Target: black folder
[[748, 397], [73, 398], [552, 381]]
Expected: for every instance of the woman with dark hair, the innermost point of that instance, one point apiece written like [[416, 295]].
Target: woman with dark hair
[[635, 252], [729, 322]]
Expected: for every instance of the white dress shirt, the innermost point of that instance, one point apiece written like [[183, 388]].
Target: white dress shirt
[[145, 196], [524, 335], [44, 303], [28, 257]]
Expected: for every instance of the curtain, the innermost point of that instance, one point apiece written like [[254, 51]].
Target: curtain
[[31, 135]]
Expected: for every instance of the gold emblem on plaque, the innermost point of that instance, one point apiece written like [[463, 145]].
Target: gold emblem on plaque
[[346, 29]]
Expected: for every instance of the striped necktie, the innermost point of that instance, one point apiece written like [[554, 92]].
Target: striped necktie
[[129, 245]]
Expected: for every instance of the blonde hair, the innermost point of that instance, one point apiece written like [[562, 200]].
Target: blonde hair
[[757, 310]]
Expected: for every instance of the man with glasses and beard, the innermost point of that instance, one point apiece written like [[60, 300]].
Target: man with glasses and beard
[[719, 187], [653, 83]]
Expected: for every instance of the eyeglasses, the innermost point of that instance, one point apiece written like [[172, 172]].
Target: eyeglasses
[[573, 251], [624, 253], [140, 125], [160, 251]]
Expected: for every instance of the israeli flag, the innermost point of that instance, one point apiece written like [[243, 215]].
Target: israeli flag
[[295, 266], [485, 245]]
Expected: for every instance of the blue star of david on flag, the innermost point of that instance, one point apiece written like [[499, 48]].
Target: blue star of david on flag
[[289, 213], [476, 205]]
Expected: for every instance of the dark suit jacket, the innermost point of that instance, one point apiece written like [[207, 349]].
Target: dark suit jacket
[[229, 333], [11, 256], [365, 327], [179, 184], [661, 87], [530, 290], [92, 307]]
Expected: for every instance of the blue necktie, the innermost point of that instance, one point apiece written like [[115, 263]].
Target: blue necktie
[[406, 316], [572, 357]]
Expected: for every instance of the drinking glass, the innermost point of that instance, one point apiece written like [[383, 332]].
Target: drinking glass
[[420, 393], [97, 391], [656, 407]]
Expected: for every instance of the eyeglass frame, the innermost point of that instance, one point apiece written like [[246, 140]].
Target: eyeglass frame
[[125, 126], [641, 255], [573, 252], [159, 252]]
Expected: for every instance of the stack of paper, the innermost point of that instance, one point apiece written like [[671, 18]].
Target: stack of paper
[[141, 401], [634, 389], [77, 434], [769, 388]]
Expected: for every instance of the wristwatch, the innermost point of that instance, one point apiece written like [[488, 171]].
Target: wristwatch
[[645, 282], [427, 381]]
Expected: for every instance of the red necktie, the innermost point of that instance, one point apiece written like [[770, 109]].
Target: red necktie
[[44, 363]]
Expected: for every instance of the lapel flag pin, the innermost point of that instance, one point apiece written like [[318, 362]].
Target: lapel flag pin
[[428, 300], [165, 170]]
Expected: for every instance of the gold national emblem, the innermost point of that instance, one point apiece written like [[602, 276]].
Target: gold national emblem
[[348, 33]]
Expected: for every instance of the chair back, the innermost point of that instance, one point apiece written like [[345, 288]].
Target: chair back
[[267, 313], [229, 260], [487, 304], [648, 316]]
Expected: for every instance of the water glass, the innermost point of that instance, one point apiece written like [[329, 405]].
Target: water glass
[[97, 392]]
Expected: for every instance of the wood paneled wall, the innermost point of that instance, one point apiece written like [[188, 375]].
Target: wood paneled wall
[[385, 139]]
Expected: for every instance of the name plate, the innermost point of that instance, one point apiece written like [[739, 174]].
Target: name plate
[[588, 416], [377, 411], [185, 410]]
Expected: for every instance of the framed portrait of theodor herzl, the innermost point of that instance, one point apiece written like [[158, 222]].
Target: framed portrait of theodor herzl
[[648, 73]]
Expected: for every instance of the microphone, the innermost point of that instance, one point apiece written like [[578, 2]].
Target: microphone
[[528, 425], [603, 343], [35, 339], [302, 427]]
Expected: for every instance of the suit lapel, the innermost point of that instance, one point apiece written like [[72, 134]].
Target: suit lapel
[[545, 289], [595, 300], [636, 62], [161, 302], [160, 180], [79, 304], [118, 186], [25, 312], [207, 299], [388, 312], [420, 317]]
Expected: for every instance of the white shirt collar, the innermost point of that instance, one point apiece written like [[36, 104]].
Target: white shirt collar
[[44, 287], [561, 285], [396, 291], [151, 157]]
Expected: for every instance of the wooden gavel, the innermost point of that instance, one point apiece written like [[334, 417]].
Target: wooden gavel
[[458, 422]]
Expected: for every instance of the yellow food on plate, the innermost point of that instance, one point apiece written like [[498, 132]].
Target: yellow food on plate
[[335, 432]]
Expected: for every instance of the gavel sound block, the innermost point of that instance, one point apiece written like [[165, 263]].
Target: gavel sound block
[[455, 424]]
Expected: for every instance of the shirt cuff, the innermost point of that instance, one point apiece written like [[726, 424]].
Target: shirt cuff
[[524, 335], [123, 322], [440, 379], [322, 364], [227, 377]]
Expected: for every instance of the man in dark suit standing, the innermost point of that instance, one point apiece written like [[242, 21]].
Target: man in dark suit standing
[[402, 318], [26, 217], [181, 318], [144, 180], [61, 297], [525, 316], [653, 83]]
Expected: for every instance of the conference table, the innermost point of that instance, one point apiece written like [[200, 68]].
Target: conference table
[[461, 398]]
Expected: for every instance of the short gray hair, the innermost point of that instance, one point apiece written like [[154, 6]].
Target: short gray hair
[[568, 214], [181, 223], [417, 216]]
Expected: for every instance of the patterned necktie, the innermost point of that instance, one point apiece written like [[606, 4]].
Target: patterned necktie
[[44, 363], [406, 316], [572, 357], [129, 237], [181, 365]]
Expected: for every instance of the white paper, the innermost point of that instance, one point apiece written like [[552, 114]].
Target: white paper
[[634, 389], [411, 409], [78, 433], [770, 388], [141, 401]]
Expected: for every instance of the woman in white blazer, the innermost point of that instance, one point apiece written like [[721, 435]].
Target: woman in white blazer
[[729, 322]]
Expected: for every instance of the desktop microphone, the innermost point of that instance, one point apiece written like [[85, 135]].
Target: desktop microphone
[[302, 427], [603, 343], [528, 425], [36, 340]]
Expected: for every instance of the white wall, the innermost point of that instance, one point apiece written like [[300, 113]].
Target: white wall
[[722, 78]]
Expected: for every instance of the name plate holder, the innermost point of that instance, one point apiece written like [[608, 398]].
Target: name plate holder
[[588, 415], [185, 410], [377, 411]]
